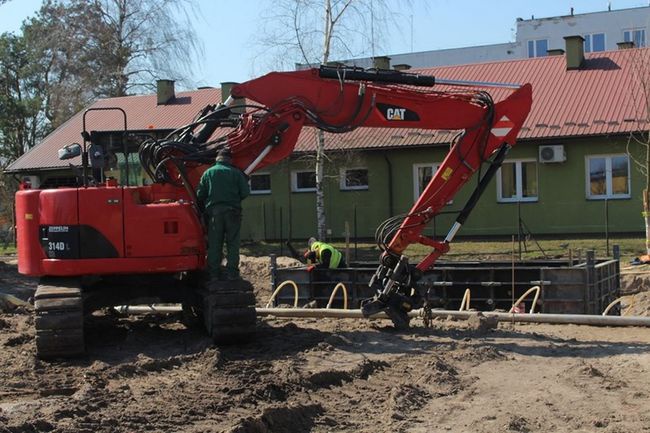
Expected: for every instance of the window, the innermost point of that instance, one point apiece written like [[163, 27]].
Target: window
[[303, 181], [260, 183], [56, 182], [537, 48], [422, 174], [635, 35], [354, 178], [608, 176], [517, 181], [594, 42]]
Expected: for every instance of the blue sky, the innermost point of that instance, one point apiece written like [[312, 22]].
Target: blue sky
[[227, 27]]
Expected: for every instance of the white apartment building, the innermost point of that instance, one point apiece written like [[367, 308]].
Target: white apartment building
[[534, 37], [601, 30]]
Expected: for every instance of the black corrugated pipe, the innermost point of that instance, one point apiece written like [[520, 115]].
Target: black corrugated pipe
[[390, 185]]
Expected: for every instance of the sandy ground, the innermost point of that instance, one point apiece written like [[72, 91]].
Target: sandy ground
[[154, 374]]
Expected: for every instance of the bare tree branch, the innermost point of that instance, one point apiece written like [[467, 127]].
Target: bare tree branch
[[314, 32], [638, 141]]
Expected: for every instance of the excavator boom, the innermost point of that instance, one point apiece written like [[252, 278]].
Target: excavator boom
[[341, 100], [338, 104]]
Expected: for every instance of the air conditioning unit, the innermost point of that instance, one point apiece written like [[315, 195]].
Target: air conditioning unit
[[554, 153]]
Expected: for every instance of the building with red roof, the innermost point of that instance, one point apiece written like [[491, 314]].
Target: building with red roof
[[570, 171]]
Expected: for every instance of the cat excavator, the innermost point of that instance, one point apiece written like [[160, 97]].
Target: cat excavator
[[102, 244]]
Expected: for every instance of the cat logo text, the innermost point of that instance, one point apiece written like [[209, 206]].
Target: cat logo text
[[396, 113]]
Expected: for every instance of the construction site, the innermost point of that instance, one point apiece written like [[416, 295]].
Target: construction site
[[150, 372], [127, 323], [120, 311]]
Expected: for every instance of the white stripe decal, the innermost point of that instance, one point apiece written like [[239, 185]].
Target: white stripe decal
[[501, 132]]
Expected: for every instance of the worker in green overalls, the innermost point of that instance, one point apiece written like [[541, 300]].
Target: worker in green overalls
[[220, 192], [323, 256]]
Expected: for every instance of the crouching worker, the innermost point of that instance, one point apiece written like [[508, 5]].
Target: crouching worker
[[323, 256], [220, 193]]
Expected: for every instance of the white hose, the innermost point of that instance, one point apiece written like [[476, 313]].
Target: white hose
[[522, 297], [345, 296], [616, 301], [611, 305], [464, 304], [295, 291]]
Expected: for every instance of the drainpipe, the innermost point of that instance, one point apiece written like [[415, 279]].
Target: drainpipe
[[390, 185]]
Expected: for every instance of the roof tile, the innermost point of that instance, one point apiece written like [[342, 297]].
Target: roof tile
[[596, 99], [142, 113]]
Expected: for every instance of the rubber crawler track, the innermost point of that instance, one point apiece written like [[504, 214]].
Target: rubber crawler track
[[229, 311], [58, 306]]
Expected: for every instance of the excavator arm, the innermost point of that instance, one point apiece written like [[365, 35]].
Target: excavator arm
[[339, 100]]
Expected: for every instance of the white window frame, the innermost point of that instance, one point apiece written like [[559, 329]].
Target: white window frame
[[535, 53], [518, 197], [259, 191], [294, 181], [590, 37], [343, 177], [608, 178], [416, 189], [636, 29]]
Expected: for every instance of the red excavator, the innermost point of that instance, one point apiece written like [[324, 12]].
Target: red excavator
[[101, 244]]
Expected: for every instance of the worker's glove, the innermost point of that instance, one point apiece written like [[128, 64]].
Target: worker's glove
[[310, 268], [310, 256]]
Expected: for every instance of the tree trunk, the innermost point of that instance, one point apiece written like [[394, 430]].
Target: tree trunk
[[646, 218], [321, 222], [320, 195], [646, 201]]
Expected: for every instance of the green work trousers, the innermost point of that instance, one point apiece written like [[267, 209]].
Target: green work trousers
[[224, 224]]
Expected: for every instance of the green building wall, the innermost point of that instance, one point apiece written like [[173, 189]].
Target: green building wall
[[561, 208]]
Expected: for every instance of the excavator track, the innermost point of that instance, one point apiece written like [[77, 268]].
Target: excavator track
[[59, 318], [229, 311]]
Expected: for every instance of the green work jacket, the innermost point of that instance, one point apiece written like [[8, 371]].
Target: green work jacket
[[222, 185]]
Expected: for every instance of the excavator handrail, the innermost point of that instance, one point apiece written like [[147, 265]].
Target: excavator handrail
[[468, 83]]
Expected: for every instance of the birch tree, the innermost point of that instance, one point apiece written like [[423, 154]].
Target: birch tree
[[638, 143], [314, 32]]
